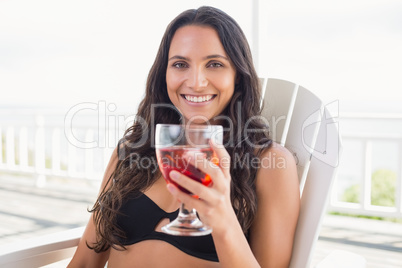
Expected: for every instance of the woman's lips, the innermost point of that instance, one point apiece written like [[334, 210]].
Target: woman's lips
[[198, 99]]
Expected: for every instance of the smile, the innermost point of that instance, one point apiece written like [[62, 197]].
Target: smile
[[198, 99]]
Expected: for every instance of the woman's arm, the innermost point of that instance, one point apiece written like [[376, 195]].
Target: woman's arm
[[85, 257], [277, 186], [271, 236]]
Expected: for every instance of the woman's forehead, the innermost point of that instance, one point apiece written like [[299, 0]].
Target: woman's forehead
[[196, 39]]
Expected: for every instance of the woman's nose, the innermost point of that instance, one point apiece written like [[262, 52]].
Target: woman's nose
[[197, 80]]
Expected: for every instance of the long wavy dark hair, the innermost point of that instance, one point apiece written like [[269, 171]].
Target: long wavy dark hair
[[156, 107]]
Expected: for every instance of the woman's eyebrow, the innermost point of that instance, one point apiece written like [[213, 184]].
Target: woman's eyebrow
[[215, 56], [178, 57]]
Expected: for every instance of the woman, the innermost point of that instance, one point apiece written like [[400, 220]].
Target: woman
[[203, 72]]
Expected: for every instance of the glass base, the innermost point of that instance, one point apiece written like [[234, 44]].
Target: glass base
[[187, 225]]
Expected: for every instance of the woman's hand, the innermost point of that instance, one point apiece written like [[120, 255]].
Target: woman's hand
[[213, 205]]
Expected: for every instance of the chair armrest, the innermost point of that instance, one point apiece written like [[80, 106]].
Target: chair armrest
[[40, 251], [344, 259]]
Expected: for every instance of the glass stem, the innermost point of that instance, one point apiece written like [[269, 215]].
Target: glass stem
[[186, 213]]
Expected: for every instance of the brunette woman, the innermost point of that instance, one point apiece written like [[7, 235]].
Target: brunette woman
[[203, 73]]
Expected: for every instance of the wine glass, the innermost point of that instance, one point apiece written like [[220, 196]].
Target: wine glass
[[173, 143]]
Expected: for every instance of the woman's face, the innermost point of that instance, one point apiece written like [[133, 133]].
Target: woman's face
[[200, 77]]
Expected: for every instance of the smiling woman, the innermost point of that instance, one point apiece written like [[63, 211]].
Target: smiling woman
[[200, 77], [202, 74]]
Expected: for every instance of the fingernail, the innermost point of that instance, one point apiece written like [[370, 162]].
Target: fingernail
[[174, 175]]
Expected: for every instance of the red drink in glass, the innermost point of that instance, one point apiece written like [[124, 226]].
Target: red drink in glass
[[171, 158], [175, 145]]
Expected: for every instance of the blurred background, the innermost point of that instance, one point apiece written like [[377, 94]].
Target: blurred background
[[60, 53], [73, 72]]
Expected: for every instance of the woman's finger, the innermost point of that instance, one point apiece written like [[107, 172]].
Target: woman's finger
[[209, 169], [223, 157], [194, 187]]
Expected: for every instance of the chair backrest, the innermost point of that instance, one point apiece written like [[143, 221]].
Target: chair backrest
[[300, 122]]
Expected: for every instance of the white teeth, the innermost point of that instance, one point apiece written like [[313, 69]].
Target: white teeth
[[198, 99]]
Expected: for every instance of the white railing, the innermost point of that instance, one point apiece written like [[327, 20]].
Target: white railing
[[51, 150], [46, 150], [390, 133]]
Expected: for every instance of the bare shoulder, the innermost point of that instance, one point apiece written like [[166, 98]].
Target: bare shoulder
[[277, 166], [277, 157]]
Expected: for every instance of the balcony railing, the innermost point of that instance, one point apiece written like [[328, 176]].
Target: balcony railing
[[52, 146], [81, 152], [378, 138]]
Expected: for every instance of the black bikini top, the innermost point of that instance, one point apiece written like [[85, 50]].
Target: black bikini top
[[140, 215]]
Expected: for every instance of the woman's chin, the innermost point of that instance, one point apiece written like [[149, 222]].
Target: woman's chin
[[197, 120]]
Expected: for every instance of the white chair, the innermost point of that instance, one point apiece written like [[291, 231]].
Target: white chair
[[299, 121], [41, 251]]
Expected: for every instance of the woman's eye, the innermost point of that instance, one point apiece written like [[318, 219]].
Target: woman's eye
[[215, 64], [179, 65]]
